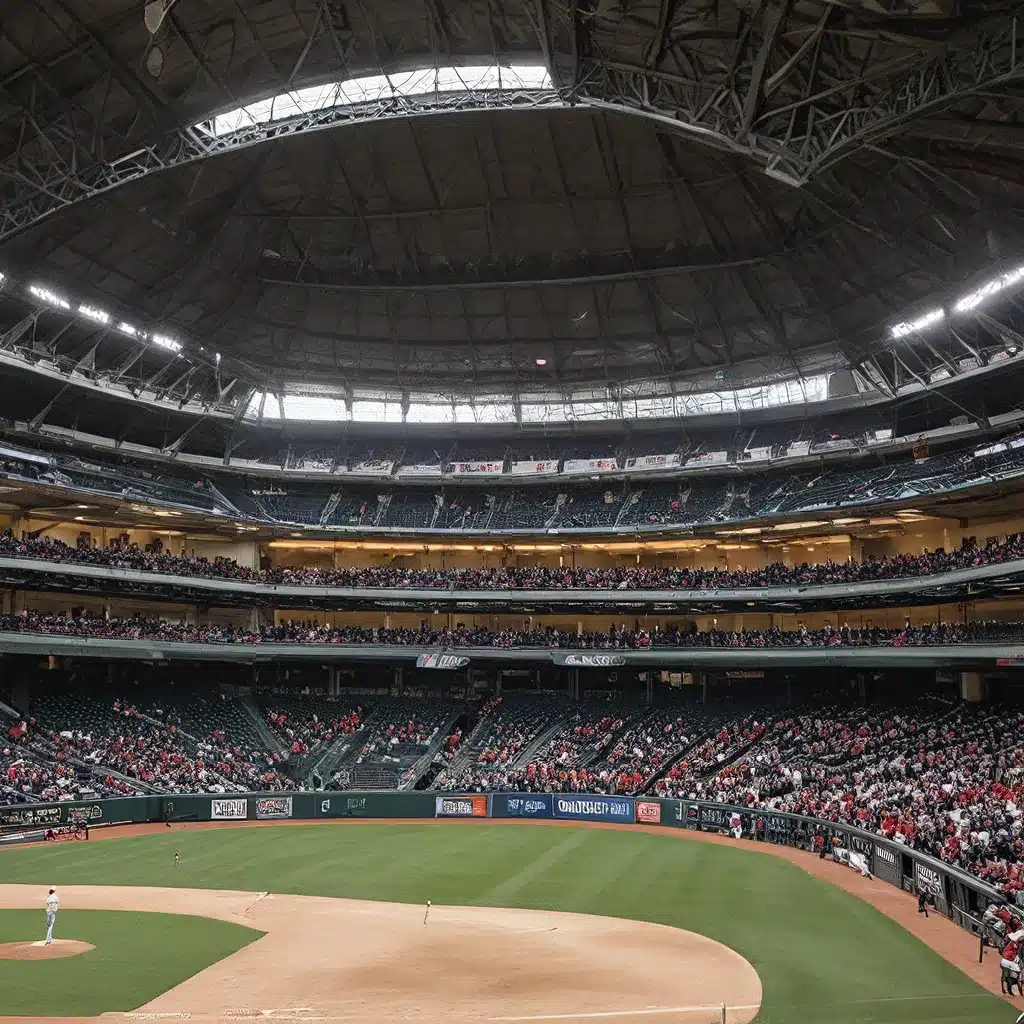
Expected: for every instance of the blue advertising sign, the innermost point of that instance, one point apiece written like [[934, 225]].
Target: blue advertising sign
[[527, 805], [595, 808]]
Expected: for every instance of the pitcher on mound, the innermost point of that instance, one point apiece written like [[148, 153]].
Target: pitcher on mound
[[52, 906]]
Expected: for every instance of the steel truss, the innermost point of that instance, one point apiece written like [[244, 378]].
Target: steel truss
[[797, 108], [69, 171], [795, 87], [100, 359]]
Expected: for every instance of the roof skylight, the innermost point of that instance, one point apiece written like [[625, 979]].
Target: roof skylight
[[444, 81]]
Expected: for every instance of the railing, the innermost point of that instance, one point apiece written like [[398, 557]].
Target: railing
[[45, 573]]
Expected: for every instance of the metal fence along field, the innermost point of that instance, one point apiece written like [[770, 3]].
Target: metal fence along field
[[957, 894]]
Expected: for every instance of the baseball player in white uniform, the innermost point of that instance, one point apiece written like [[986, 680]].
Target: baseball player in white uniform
[[52, 906]]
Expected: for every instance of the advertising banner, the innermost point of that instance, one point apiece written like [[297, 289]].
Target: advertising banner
[[474, 806], [373, 805], [838, 444], [708, 459], [756, 454], [86, 813], [595, 808], [228, 809], [476, 468], [886, 865], [273, 807], [532, 805], [648, 812], [447, 661], [590, 660], [714, 818], [646, 462], [540, 467], [22, 816], [678, 814], [590, 466], [420, 470], [932, 882], [373, 467]]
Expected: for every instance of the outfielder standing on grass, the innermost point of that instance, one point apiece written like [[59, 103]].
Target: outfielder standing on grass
[[52, 906]]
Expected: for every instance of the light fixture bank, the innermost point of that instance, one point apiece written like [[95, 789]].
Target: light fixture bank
[[963, 305]]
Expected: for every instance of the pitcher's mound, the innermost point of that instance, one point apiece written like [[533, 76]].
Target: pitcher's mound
[[56, 950]]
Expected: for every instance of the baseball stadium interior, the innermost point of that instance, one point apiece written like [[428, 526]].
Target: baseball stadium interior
[[610, 399]]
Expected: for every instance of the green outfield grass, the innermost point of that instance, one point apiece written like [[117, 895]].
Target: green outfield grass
[[137, 957], [824, 957]]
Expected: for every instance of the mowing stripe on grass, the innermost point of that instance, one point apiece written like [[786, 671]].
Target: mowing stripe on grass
[[531, 871]]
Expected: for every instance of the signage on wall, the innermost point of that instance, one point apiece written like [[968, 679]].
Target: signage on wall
[[446, 661]]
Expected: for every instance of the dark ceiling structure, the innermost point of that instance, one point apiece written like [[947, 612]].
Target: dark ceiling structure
[[729, 189]]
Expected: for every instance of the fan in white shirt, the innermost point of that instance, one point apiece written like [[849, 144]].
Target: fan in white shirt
[[52, 906]]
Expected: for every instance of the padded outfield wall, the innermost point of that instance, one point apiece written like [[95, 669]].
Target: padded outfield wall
[[957, 894]]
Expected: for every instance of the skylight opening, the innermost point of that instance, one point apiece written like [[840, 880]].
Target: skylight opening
[[444, 81]]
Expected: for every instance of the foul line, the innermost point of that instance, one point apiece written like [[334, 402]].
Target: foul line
[[649, 1011]]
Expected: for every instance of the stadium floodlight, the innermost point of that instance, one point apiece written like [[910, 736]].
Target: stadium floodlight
[[125, 328], [168, 343], [993, 287], [933, 316], [94, 314], [45, 295]]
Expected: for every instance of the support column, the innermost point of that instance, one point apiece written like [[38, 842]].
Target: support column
[[397, 681], [971, 688]]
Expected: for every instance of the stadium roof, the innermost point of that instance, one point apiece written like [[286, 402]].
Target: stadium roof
[[600, 192]]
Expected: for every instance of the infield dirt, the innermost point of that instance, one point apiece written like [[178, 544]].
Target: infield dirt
[[351, 960]]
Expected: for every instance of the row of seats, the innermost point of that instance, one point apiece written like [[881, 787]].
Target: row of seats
[[566, 505], [936, 775], [299, 632], [970, 554]]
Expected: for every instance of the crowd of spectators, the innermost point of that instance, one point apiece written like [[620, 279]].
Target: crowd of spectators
[[122, 554], [721, 747], [140, 627], [306, 731], [946, 780], [644, 748], [938, 776], [121, 739], [27, 775]]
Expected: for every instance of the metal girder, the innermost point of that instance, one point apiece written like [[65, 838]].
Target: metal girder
[[740, 105], [785, 92], [70, 173]]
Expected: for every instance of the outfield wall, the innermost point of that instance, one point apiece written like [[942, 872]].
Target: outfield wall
[[957, 895]]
